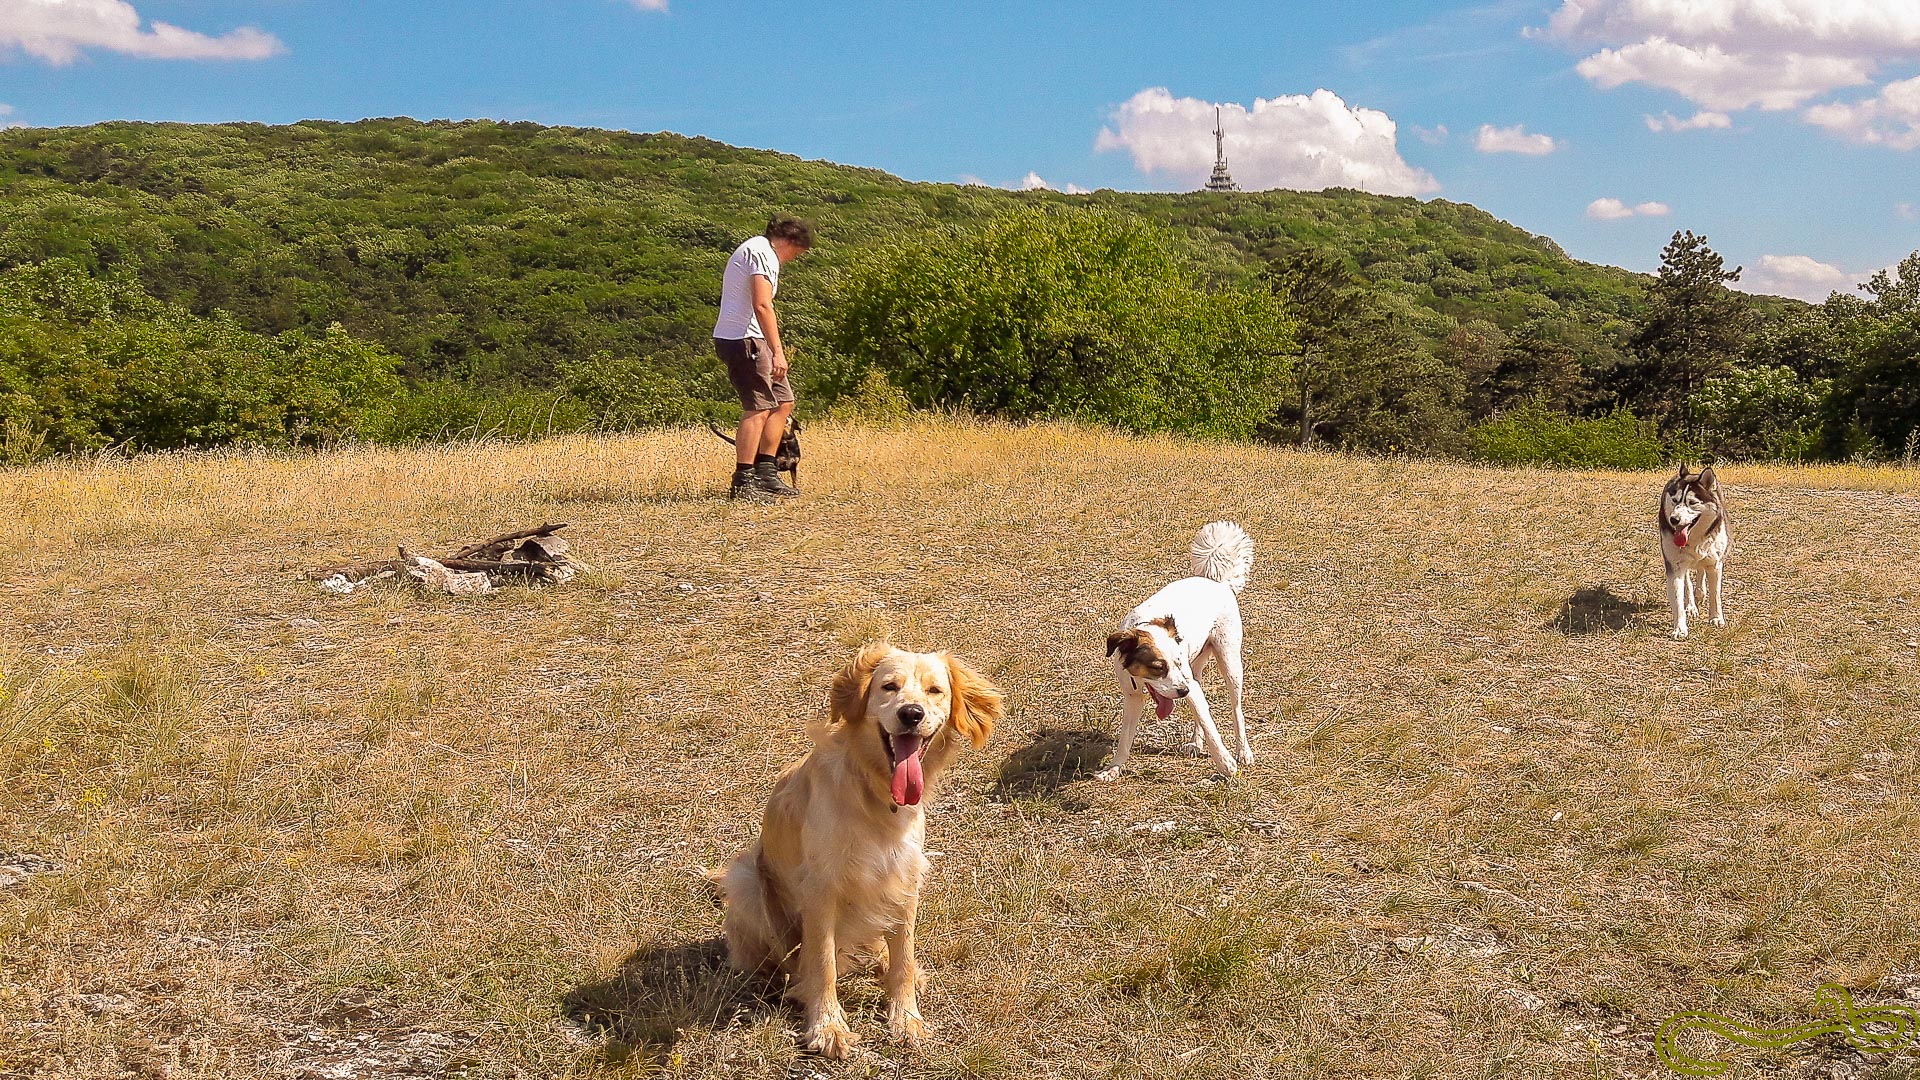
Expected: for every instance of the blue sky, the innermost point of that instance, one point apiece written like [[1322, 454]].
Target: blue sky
[[1798, 154]]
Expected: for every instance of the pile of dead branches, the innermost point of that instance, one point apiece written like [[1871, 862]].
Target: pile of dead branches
[[529, 557]]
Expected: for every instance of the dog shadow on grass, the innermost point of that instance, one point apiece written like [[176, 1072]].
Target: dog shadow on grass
[[1595, 609], [661, 992], [1053, 759]]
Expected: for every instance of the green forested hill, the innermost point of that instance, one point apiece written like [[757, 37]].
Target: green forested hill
[[500, 252]]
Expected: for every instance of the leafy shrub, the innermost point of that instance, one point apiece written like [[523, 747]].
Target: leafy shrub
[[1088, 316], [1762, 412], [444, 409], [1534, 435], [873, 400], [629, 392]]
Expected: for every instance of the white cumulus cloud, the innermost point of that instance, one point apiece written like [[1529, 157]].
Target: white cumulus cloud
[[6, 118], [1800, 276], [1908, 211], [1614, 210], [1892, 118], [1720, 80], [1513, 140], [1697, 122], [1432, 136], [1726, 55], [649, 5], [1869, 28], [59, 31], [1032, 182], [1300, 141]]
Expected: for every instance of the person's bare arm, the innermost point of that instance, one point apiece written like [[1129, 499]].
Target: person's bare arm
[[770, 326]]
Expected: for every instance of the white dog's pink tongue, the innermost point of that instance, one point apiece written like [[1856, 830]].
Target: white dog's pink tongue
[[1162, 704], [908, 784]]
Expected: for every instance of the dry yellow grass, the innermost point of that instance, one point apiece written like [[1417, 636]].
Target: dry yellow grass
[[1500, 824]]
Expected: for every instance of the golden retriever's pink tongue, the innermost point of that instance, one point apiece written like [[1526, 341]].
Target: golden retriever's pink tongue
[[907, 781], [1162, 704]]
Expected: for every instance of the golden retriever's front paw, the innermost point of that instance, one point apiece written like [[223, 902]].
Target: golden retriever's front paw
[[831, 1039], [905, 1025]]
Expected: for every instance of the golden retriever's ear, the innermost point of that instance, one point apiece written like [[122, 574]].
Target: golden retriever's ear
[[977, 703], [847, 700]]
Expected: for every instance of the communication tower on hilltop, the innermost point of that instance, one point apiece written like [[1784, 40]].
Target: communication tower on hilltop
[[1221, 180]]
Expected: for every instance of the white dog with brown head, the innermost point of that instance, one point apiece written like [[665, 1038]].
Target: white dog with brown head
[[1161, 647]]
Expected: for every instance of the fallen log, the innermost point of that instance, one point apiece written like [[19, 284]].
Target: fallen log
[[530, 556], [503, 541]]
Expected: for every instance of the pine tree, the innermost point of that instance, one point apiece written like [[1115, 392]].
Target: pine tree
[[1320, 292], [1694, 329]]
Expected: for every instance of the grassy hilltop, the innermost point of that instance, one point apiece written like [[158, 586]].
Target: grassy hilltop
[[1500, 823]]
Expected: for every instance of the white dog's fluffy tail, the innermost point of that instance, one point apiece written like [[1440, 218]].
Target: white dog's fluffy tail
[[1224, 552]]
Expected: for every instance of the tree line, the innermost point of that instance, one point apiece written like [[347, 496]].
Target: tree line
[[194, 285]]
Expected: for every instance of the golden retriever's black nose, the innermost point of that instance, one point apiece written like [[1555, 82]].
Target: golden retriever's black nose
[[911, 715]]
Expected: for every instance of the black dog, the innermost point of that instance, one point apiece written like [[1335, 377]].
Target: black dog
[[787, 458]]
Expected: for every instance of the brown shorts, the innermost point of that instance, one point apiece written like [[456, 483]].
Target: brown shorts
[[750, 369]]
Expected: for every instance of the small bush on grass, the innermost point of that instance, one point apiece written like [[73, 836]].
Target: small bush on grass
[[1535, 435]]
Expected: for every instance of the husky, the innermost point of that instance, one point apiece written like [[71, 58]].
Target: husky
[[1694, 540], [1162, 645]]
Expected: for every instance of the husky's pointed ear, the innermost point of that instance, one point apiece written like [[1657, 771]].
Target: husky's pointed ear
[[977, 703], [1683, 470], [1708, 480], [1121, 639], [847, 699]]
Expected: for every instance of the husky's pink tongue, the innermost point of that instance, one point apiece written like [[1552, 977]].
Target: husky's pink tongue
[[1162, 704], [907, 781], [1679, 538]]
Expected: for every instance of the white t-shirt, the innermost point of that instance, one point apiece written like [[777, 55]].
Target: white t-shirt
[[736, 289]]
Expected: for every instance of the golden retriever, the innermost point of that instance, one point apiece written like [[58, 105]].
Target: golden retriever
[[838, 864]]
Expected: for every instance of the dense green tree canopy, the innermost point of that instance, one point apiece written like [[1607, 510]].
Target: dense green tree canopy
[[87, 363], [498, 251]]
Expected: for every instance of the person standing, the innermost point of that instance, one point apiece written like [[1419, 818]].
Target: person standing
[[747, 337]]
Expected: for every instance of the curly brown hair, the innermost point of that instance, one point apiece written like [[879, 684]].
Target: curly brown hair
[[791, 229]]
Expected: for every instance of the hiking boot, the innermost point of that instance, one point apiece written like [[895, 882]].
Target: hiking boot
[[747, 486], [766, 476]]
